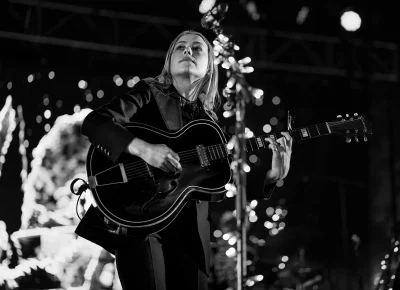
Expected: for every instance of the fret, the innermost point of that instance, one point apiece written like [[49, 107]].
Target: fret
[[324, 129], [215, 152], [223, 150], [250, 144], [255, 141], [316, 127], [215, 156], [216, 148], [313, 132], [304, 133], [259, 142], [328, 128], [210, 152], [223, 153]]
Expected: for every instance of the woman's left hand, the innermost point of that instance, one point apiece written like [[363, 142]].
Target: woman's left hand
[[282, 152]]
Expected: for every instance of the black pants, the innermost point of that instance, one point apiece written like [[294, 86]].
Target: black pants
[[146, 264]]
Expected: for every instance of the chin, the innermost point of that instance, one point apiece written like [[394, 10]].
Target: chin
[[184, 72]]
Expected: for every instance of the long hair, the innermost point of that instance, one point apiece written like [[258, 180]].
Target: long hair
[[207, 87]]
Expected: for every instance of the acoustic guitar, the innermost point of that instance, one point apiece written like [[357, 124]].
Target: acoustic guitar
[[137, 199]]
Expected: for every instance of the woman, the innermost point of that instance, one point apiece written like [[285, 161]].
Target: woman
[[186, 90]]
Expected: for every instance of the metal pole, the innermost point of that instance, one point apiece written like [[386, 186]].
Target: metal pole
[[241, 199]]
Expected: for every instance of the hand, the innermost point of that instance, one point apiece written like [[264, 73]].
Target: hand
[[281, 154], [156, 155], [160, 156]]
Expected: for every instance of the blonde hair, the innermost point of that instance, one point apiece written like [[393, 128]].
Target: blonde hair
[[207, 87]]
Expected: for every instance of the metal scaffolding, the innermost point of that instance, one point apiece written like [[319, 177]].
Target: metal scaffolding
[[57, 24]]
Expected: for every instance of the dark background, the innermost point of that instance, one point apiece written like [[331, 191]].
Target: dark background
[[334, 189]]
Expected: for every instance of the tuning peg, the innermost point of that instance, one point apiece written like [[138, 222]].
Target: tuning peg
[[365, 138], [348, 140], [347, 115], [356, 137], [339, 116], [355, 115]]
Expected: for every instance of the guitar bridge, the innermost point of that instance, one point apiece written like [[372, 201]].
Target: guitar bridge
[[202, 153]]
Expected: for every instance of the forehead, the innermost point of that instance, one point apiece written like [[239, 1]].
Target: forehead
[[191, 38]]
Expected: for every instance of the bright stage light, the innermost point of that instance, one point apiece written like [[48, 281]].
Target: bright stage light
[[350, 20], [206, 5]]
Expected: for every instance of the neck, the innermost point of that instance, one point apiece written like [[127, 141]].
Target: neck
[[185, 86]]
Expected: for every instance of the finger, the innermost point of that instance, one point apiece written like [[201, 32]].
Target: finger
[[174, 155], [282, 142], [167, 166], [273, 145], [286, 135], [175, 163], [288, 138]]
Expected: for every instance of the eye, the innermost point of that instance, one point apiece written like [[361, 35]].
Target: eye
[[180, 47], [199, 48]]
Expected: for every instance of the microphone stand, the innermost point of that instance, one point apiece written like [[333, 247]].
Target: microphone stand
[[238, 94]]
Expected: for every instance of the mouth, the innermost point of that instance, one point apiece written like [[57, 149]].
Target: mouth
[[187, 59]]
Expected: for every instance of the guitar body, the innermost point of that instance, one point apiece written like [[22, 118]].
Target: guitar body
[[140, 199]]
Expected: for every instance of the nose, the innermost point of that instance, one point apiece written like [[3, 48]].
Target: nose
[[188, 51]]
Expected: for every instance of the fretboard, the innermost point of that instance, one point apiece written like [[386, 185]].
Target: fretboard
[[219, 151], [298, 134]]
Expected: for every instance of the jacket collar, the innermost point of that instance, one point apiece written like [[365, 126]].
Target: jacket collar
[[168, 102]]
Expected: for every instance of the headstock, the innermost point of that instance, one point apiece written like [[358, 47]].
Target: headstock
[[351, 126]]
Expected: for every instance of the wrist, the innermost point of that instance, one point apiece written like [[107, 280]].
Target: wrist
[[271, 176], [138, 147]]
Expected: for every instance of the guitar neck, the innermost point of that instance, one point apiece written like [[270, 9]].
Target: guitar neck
[[298, 134], [305, 133], [219, 151], [353, 127]]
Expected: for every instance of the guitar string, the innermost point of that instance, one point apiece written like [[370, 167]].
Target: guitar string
[[145, 173], [222, 147], [191, 154], [133, 168], [217, 148]]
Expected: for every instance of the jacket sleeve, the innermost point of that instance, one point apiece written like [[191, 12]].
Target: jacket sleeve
[[104, 126]]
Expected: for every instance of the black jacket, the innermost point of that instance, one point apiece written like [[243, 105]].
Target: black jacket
[[150, 103]]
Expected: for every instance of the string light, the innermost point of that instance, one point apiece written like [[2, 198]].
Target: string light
[[273, 121], [118, 80], [22, 144], [389, 267], [100, 94], [8, 123], [51, 75], [276, 100], [30, 78], [82, 84]]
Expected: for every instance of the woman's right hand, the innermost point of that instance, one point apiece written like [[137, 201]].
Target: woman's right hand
[[156, 155]]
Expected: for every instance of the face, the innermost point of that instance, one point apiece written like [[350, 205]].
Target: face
[[189, 57]]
